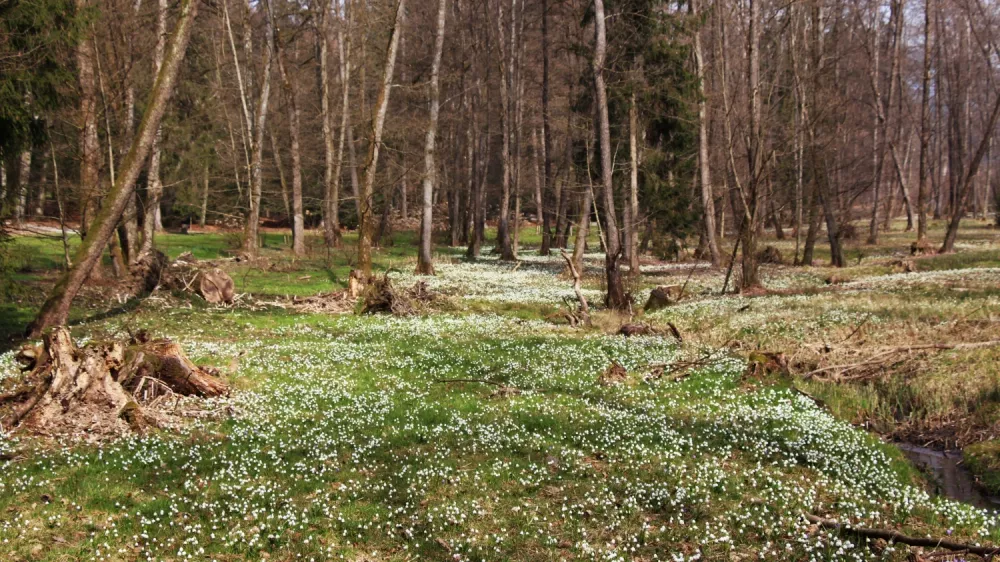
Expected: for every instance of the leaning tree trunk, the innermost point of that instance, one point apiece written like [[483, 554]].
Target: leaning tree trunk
[[367, 220], [615, 299], [56, 308], [425, 264], [959, 208]]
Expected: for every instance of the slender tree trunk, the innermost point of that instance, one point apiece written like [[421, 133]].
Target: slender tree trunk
[[43, 181], [366, 226], [331, 222], [704, 160], [506, 75], [632, 234], [536, 150], [89, 144], [925, 132], [280, 167], [152, 222], [56, 309], [298, 219], [545, 217], [23, 179], [425, 263], [250, 242], [204, 200], [616, 299], [958, 209], [750, 265]]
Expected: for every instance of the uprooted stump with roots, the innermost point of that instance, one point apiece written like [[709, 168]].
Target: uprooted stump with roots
[[102, 389], [380, 297]]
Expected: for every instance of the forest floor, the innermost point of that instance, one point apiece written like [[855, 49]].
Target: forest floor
[[352, 439]]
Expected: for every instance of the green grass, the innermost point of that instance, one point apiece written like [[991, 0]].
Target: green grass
[[348, 440]]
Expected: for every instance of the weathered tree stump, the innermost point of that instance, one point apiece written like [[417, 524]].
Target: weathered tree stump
[[664, 296], [216, 286], [96, 390], [771, 255]]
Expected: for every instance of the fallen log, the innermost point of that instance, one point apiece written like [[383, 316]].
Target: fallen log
[[986, 552]]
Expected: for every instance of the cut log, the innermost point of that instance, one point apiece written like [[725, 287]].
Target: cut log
[[90, 391]]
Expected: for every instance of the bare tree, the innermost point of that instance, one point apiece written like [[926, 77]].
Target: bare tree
[[425, 264], [56, 308], [366, 227], [616, 298], [251, 243]]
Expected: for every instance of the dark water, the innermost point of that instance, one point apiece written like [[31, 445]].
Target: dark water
[[948, 476]]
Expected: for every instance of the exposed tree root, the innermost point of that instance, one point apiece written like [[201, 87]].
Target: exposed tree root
[[95, 390]]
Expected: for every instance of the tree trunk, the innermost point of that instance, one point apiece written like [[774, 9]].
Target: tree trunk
[[506, 76], [276, 155], [958, 210], [89, 143], [632, 226], [704, 160], [331, 220], [425, 264], [250, 238], [750, 265], [616, 298], [298, 219], [367, 225], [56, 309], [925, 132], [545, 217], [154, 192], [204, 200]]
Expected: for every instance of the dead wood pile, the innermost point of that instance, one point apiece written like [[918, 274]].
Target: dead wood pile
[[380, 297], [186, 274], [103, 389]]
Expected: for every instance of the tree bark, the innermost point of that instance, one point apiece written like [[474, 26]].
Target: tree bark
[[56, 308], [704, 159], [298, 220], [958, 210], [331, 181], [545, 217], [154, 191], [616, 298], [366, 203], [632, 232], [89, 143], [751, 205], [251, 243], [425, 264], [925, 132]]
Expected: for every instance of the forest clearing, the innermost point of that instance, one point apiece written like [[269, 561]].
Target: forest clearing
[[499, 280], [478, 427]]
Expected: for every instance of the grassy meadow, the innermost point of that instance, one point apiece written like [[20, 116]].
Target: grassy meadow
[[477, 430]]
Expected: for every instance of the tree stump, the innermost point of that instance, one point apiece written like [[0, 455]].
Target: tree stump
[[663, 296], [95, 390], [216, 286]]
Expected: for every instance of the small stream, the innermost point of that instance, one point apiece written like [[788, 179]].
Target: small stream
[[948, 477]]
